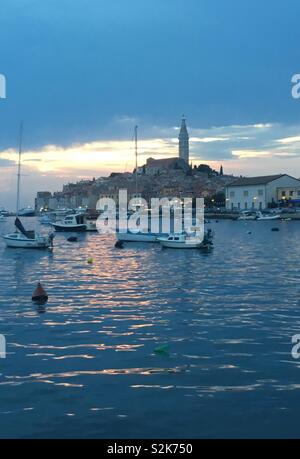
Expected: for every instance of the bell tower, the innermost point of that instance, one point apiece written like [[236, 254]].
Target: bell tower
[[184, 149]]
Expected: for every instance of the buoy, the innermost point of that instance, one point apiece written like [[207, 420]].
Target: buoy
[[249, 232], [90, 260], [40, 296], [162, 350], [72, 239], [119, 245]]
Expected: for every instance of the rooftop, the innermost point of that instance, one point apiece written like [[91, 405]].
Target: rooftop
[[248, 181]]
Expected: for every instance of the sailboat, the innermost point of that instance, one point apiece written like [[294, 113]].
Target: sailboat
[[140, 235], [22, 238]]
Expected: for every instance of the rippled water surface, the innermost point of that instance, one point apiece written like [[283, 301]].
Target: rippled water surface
[[87, 367]]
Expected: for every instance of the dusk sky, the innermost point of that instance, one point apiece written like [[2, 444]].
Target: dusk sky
[[82, 73]]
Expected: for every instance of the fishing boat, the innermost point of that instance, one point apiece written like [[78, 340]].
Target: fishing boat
[[187, 240], [22, 238], [75, 223]]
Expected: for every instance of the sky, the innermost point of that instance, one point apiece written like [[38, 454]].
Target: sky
[[82, 73]]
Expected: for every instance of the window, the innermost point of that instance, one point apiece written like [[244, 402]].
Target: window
[[260, 206], [246, 193], [239, 205], [298, 192], [260, 192], [283, 194], [246, 205], [232, 194], [291, 193]]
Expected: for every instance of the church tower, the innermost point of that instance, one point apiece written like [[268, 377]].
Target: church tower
[[184, 142]]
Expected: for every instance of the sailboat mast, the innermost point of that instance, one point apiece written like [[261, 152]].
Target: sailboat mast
[[19, 169], [136, 159]]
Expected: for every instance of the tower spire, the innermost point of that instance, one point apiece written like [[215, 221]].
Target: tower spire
[[184, 141]]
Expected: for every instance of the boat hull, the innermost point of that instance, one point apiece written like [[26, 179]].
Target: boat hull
[[69, 228], [25, 243], [139, 237], [180, 245]]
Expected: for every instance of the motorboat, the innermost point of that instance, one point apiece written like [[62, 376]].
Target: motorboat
[[75, 223], [139, 236], [261, 216], [187, 240], [248, 215], [26, 212], [24, 239]]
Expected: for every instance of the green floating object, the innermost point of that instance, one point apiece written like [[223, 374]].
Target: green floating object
[[90, 260], [162, 350]]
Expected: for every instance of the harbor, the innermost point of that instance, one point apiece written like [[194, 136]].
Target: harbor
[[84, 365]]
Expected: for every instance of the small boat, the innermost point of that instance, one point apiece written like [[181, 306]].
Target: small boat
[[26, 212], [187, 240], [261, 216], [24, 239], [75, 223], [2, 218], [247, 215], [137, 237]]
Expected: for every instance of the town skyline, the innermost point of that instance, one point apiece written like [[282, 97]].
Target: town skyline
[[86, 81]]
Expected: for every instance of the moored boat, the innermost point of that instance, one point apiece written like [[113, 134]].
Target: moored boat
[[24, 239], [75, 223], [186, 240]]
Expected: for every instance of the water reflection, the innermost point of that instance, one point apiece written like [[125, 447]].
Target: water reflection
[[227, 318]]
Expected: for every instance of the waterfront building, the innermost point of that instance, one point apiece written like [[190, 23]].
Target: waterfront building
[[258, 193]]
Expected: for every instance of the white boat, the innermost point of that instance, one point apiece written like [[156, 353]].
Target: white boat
[[75, 223], [26, 212], [248, 215], [137, 237], [22, 238], [261, 216], [187, 240], [27, 239], [2, 218]]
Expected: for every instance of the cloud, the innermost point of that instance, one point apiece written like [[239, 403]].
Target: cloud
[[4, 162]]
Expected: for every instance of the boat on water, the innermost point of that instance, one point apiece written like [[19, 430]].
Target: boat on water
[[137, 237], [75, 223], [22, 238], [26, 212], [2, 218], [187, 240], [248, 215], [261, 216], [25, 239]]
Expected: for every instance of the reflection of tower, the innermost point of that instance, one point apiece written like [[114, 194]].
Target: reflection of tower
[[184, 142]]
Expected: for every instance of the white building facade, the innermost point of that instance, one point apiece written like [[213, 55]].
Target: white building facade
[[258, 193]]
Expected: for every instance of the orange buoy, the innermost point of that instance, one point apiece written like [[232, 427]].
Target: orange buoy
[[40, 295]]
